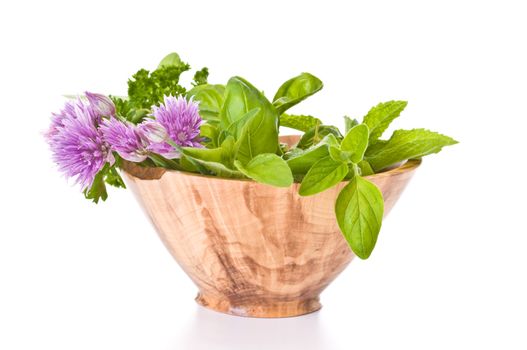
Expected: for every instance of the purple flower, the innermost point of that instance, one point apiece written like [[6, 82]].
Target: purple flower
[[101, 104], [127, 139], [181, 120], [77, 145]]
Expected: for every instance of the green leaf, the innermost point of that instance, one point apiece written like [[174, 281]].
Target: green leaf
[[146, 89], [259, 134], [365, 168], [113, 178], [299, 122], [267, 168], [172, 59], [349, 123], [338, 155], [163, 162], [200, 77], [301, 161], [208, 154], [223, 154], [359, 209], [379, 117], [97, 190], [210, 132], [356, 142], [210, 99], [323, 174], [406, 144], [317, 133], [296, 90], [216, 168], [235, 129]]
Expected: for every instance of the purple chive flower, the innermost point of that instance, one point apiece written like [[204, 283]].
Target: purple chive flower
[[101, 104], [77, 145], [127, 139], [181, 120]]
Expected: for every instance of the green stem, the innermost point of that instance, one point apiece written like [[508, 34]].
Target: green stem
[[164, 162]]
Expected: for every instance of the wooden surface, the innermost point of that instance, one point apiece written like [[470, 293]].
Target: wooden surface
[[252, 249]]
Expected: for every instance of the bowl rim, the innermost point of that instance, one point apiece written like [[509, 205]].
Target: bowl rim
[[156, 173]]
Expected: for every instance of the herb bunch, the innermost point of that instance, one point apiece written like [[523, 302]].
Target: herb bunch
[[238, 138]]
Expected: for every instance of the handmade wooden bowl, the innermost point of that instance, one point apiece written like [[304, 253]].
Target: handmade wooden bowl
[[252, 249]]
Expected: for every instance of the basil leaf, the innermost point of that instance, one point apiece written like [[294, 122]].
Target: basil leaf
[[296, 90], [235, 128], [323, 174], [302, 160], [208, 154], [223, 154], [349, 123], [356, 142], [267, 168], [407, 144], [172, 59], [299, 122], [210, 132], [259, 134], [359, 209], [379, 117], [240, 97], [317, 133], [365, 168], [210, 99]]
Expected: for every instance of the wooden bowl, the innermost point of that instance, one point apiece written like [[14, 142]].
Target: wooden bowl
[[252, 249]]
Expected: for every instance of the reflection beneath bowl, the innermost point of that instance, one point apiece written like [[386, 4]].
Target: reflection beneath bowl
[[212, 330]]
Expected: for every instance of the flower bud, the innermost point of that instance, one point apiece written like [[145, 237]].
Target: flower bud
[[154, 131], [101, 104]]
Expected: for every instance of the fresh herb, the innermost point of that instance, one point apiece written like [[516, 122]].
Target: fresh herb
[[238, 138]]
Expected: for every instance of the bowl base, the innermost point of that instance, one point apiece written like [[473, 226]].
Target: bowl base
[[260, 308]]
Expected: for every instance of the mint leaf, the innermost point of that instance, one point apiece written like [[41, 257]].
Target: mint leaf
[[317, 133], [349, 123], [323, 174], [299, 122], [267, 168], [406, 144], [338, 155], [359, 209], [296, 90], [379, 117], [302, 160], [356, 142]]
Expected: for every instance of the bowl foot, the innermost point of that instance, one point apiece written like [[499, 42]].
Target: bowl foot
[[260, 307]]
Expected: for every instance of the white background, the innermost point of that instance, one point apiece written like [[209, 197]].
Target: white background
[[449, 270]]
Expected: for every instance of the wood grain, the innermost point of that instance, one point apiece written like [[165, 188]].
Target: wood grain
[[252, 249]]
